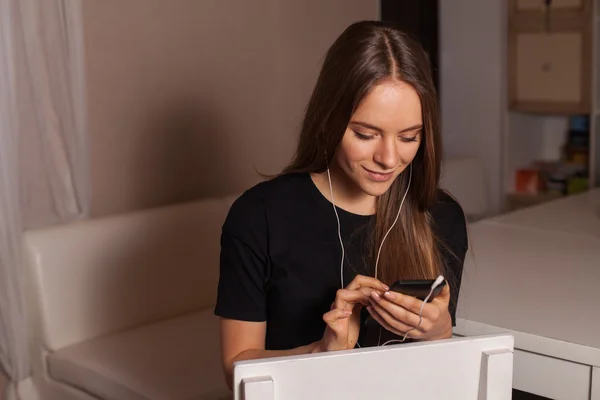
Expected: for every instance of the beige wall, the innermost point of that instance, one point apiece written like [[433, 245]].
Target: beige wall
[[186, 97], [472, 85]]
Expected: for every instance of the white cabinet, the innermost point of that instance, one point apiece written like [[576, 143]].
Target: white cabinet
[[552, 76], [550, 72], [511, 75]]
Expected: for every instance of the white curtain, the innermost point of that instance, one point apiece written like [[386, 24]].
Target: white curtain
[[52, 107], [43, 151], [13, 329]]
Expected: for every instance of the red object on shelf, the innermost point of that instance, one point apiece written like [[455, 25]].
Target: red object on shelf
[[528, 181]]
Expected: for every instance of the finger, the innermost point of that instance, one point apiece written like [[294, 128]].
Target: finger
[[335, 315], [414, 334], [413, 320], [367, 281], [407, 302], [389, 319], [381, 322], [367, 291], [346, 299], [431, 311], [397, 312], [429, 318], [444, 297]]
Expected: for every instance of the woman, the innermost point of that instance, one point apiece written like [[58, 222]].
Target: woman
[[303, 254]]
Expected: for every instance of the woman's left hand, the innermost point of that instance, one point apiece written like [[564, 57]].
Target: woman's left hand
[[399, 313]]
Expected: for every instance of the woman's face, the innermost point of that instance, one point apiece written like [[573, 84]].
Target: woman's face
[[382, 138]]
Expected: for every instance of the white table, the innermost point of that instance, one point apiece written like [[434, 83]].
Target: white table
[[578, 214], [535, 274]]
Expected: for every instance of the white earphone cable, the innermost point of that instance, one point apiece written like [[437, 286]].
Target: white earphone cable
[[337, 217], [395, 220], [378, 252], [384, 237]]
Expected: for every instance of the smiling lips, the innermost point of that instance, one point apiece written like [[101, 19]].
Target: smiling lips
[[378, 176]]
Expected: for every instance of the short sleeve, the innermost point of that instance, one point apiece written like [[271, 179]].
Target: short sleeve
[[244, 263], [451, 230]]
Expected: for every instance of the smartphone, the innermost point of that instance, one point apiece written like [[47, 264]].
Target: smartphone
[[418, 288]]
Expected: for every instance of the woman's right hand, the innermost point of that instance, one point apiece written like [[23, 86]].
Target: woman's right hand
[[343, 319]]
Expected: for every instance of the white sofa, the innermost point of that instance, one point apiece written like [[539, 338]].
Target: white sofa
[[122, 307]]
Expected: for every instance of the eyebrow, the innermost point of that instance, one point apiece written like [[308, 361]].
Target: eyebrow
[[373, 127]]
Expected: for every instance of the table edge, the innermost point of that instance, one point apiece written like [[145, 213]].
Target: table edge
[[573, 352]]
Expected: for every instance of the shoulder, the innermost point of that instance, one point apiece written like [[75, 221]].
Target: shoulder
[[251, 209], [448, 220], [446, 207]]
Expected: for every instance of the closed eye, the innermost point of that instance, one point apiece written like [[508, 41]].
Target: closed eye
[[404, 139], [361, 136], [410, 140]]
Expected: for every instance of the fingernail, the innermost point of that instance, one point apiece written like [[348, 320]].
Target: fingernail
[[347, 312], [375, 296], [369, 310], [385, 287], [390, 295]]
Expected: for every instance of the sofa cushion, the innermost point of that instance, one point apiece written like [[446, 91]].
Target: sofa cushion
[[176, 359], [95, 277]]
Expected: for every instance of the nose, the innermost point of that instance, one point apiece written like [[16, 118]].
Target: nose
[[386, 154]]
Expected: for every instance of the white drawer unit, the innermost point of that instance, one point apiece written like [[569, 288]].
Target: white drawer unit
[[595, 393], [551, 377]]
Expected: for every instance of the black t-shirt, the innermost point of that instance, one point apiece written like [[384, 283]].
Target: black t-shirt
[[280, 257]]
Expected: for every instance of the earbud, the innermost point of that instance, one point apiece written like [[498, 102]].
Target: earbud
[[437, 282]]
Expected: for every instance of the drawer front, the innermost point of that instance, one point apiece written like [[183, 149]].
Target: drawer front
[[549, 66], [551, 377], [550, 72], [564, 10], [557, 5]]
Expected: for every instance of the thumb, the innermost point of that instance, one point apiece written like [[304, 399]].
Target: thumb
[[336, 314], [444, 296]]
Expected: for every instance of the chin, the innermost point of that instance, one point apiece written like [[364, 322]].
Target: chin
[[375, 189]]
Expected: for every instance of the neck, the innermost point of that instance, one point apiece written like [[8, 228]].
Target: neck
[[346, 194]]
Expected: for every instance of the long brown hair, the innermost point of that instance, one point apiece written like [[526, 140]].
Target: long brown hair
[[366, 54]]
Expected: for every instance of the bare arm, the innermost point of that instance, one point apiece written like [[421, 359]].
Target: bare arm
[[241, 340]]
